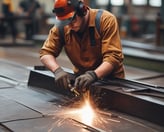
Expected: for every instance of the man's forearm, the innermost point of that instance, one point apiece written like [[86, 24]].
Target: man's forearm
[[50, 62], [104, 69]]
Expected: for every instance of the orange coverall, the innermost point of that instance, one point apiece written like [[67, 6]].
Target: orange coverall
[[81, 53]]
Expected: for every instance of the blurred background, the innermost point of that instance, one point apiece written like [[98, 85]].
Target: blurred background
[[140, 19]]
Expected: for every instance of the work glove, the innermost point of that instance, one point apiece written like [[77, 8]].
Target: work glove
[[85, 80], [61, 78]]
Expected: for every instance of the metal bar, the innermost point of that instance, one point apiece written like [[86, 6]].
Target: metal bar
[[90, 128], [137, 86]]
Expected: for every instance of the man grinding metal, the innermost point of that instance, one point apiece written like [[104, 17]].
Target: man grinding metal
[[95, 51]]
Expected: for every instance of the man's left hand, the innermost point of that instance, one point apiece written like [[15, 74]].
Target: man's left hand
[[84, 80]]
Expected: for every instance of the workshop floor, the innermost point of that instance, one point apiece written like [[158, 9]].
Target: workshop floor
[[31, 109], [29, 56]]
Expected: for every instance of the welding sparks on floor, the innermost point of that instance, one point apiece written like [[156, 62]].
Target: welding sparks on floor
[[81, 110], [83, 115], [87, 113]]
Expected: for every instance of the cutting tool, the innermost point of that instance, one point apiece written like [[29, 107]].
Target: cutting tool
[[74, 90]]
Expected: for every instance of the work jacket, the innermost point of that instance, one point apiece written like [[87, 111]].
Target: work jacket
[[84, 55]]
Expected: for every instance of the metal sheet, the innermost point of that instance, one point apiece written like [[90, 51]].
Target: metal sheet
[[38, 101], [43, 125], [145, 107], [56, 124], [37, 106], [10, 110], [4, 84], [13, 71], [114, 97]]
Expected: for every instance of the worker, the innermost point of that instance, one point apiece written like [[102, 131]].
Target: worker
[[102, 59], [30, 8], [8, 13]]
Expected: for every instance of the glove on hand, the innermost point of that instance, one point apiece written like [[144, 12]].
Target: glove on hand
[[85, 80], [61, 78]]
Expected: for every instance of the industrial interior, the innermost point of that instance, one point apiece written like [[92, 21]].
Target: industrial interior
[[31, 103]]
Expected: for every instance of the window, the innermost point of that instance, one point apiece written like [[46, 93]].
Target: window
[[155, 3], [117, 2], [102, 2], [139, 2]]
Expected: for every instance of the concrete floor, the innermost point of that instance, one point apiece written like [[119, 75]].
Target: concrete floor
[[29, 56]]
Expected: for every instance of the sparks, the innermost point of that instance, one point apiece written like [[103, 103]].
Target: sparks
[[87, 113], [83, 112]]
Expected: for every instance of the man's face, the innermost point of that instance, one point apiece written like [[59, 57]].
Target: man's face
[[76, 23]]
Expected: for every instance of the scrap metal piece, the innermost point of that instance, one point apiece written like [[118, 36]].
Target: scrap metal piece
[[90, 128]]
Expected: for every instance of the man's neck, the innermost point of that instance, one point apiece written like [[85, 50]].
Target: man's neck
[[85, 20]]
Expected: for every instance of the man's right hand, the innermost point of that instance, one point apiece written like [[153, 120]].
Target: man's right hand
[[61, 78]]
